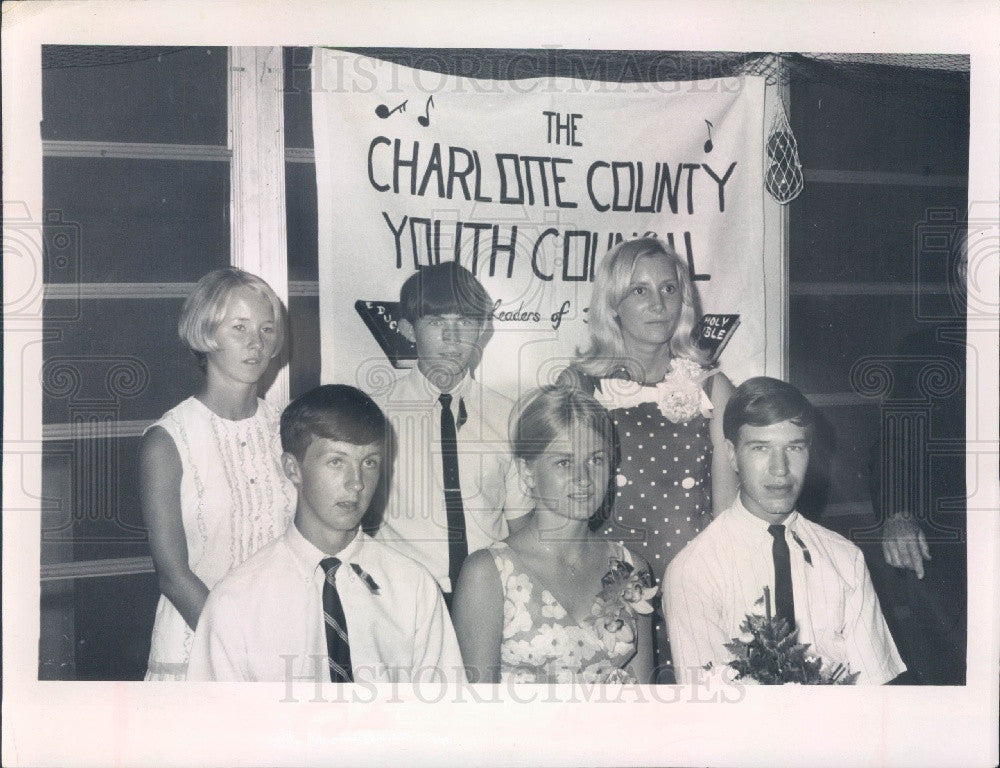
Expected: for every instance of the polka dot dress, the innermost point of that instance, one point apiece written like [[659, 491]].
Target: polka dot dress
[[664, 491]]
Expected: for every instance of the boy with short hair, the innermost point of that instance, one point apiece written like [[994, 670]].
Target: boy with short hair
[[818, 578], [455, 487], [325, 599]]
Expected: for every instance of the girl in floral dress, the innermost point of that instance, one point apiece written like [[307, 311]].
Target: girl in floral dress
[[555, 602], [644, 366]]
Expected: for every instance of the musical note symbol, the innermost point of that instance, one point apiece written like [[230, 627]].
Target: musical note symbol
[[425, 119], [708, 143], [383, 111]]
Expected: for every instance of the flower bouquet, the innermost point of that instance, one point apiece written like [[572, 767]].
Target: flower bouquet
[[773, 656]]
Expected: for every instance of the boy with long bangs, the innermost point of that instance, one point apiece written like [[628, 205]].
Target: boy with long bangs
[[455, 488]]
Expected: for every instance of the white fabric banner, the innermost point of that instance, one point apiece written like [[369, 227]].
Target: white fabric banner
[[528, 183]]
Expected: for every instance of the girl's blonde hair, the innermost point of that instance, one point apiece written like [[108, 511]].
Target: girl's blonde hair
[[544, 413], [607, 352], [205, 308]]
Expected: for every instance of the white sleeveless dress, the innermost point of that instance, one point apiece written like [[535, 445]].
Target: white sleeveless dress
[[235, 498]]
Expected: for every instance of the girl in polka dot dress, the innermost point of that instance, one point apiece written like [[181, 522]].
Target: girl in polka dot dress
[[644, 366]]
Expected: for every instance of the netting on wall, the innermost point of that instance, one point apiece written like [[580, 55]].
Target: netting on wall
[[901, 68], [941, 61], [783, 178]]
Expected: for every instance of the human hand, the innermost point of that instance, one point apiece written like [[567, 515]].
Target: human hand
[[904, 544]]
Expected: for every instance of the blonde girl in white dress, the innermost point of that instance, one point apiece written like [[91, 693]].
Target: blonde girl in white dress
[[213, 491]]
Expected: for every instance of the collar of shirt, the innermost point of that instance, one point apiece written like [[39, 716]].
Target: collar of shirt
[[308, 555], [419, 388], [749, 525]]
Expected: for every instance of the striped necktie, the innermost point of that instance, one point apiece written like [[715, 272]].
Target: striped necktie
[[338, 649]]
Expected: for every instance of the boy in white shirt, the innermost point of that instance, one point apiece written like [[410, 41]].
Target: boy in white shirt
[[455, 487], [324, 600], [818, 579]]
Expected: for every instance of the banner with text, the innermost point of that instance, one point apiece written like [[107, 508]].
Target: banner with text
[[528, 183]]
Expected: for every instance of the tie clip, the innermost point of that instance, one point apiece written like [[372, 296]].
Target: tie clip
[[368, 580], [805, 550]]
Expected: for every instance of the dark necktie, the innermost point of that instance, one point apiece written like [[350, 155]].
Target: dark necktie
[[337, 647], [784, 601], [458, 547]]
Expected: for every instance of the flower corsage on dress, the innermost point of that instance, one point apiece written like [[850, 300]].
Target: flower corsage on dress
[[680, 397], [625, 592]]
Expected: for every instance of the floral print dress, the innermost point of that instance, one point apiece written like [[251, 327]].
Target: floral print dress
[[542, 643]]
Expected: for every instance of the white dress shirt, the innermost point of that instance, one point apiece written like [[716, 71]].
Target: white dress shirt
[[713, 583], [264, 621], [416, 521]]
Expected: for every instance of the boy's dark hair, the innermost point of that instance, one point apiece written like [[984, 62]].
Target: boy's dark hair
[[762, 401], [336, 412], [447, 288]]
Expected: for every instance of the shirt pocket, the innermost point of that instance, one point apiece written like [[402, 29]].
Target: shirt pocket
[[827, 605], [478, 477]]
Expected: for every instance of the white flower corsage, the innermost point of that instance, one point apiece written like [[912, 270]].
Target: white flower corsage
[[680, 396]]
